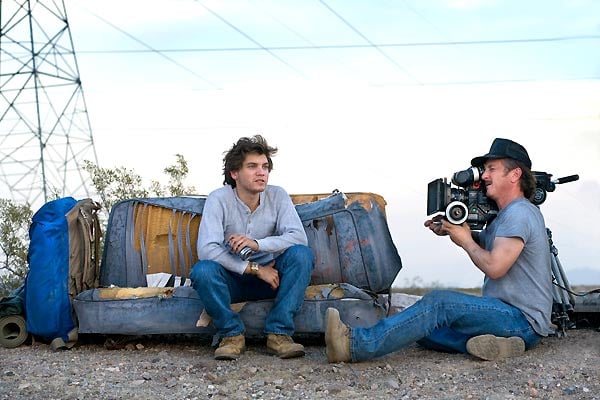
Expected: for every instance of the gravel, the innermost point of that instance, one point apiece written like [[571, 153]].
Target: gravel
[[182, 367]]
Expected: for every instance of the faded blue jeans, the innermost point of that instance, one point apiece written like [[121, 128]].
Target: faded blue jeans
[[441, 320], [218, 288]]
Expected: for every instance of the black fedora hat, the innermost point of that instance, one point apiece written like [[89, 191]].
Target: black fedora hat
[[504, 148]]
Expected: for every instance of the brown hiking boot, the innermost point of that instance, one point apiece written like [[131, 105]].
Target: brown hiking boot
[[230, 348], [337, 337], [490, 347], [283, 346]]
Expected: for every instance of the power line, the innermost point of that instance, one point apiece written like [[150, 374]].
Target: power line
[[238, 30], [359, 33], [288, 28], [285, 26], [150, 49], [312, 46], [490, 81], [420, 15], [352, 46]]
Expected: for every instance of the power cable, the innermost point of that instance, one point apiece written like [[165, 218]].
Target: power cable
[[312, 46], [482, 82], [238, 30], [349, 25], [153, 50], [285, 26], [352, 46], [420, 15], [293, 31]]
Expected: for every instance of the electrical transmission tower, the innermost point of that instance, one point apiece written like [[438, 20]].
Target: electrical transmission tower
[[45, 132]]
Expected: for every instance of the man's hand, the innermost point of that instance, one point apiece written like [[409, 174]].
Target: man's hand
[[435, 225], [237, 242], [459, 234], [269, 274]]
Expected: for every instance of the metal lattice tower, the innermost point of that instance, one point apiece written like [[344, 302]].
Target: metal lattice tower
[[45, 132]]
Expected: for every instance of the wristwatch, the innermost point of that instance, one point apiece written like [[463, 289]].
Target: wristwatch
[[253, 267]]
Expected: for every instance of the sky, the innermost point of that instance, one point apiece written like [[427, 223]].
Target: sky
[[377, 96]]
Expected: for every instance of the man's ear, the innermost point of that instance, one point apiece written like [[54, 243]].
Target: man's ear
[[517, 173]]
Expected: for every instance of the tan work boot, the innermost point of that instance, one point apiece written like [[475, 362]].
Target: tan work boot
[[283, 346], [490, 347], [337, 337], [230, 348]]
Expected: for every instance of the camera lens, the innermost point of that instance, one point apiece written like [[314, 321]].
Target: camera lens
[[466, 177], [456, 212]]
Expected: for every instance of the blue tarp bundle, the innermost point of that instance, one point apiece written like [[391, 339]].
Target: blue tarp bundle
[[47, 304]]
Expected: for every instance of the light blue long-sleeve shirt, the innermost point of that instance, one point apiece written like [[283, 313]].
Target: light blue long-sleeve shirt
[[275, 225]]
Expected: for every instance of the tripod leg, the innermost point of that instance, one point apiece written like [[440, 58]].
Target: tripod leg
[[562, 305], [564, 301], [564, 280]]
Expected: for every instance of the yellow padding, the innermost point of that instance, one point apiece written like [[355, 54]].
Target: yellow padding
[[330, 291], [134, 293], [153, 223]]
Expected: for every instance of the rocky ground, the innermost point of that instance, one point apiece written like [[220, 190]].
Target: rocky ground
[[183, 368]]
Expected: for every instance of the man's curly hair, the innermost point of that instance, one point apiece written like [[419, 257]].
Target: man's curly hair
[[235, 156]]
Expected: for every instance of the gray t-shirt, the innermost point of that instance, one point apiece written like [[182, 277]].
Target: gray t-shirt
[[275, 225], [528, 283]]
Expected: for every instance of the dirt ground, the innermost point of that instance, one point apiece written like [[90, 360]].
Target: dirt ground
[[183, 368]]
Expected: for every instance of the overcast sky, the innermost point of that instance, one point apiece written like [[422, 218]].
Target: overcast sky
[[362, 96]]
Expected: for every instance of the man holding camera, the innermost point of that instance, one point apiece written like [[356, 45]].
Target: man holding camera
[[252, 246], [512, 314]]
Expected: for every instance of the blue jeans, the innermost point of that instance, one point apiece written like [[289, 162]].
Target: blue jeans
[[442, 320], [218, 288]]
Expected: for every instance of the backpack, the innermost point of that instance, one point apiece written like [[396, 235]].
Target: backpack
[[63, 261]]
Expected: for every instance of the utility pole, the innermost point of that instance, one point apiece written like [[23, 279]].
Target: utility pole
[[45, 132]]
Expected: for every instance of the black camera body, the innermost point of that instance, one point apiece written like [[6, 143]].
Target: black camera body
[[465, 200]]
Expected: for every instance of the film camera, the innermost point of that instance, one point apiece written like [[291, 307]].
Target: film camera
[[465, 200]]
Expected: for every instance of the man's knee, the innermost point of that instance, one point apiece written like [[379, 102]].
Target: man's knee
[[297, 261], [205, 271], [437, 296], [302, 254]]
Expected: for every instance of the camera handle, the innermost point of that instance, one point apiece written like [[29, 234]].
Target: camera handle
[[563, 299]]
